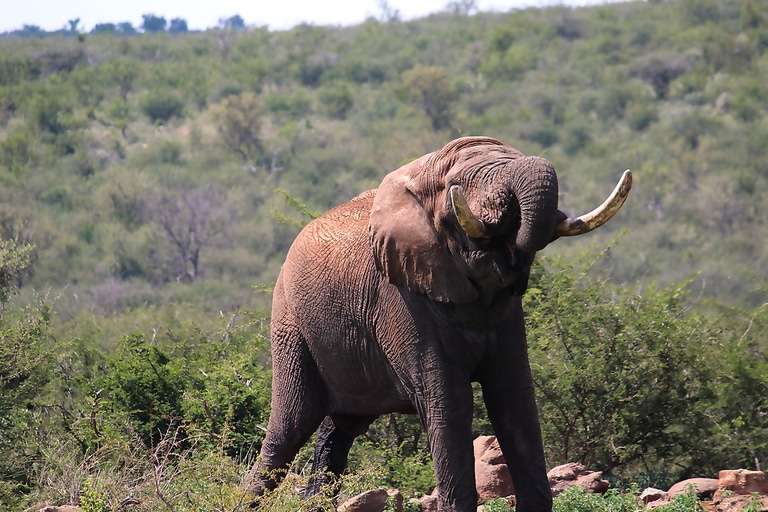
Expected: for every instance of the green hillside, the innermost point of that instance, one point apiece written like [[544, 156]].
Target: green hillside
[[157, 176], [108, 142]]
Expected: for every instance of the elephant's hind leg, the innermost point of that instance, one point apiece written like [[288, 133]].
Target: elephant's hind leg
[[335, 436], [299, 403]]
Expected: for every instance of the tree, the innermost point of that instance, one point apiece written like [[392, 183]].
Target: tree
[[14, 260], [238, 121], [26, 350], [153, 24], [178, 26], [126, 28], [104, 28], [432, 91], [192, 220], [235, 23], [162, 106], [123, 73], [388, 13], [465, 7], [337, 99]]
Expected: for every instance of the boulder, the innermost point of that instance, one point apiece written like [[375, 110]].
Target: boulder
[[373, 501], [492, 477], [741, 481], [573, 473], [428, 503], [704, 487], [650, 495], [739, 502]]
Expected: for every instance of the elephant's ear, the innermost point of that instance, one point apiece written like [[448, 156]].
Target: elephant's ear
[[406, 246]]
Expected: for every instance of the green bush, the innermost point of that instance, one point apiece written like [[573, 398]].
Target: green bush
[[162, 106], [16, 150], [575, 499], [209, 387], [25, 359], [622, 387], [336, 99], [641, 116]]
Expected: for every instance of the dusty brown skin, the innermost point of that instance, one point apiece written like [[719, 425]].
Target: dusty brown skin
[[387, 304]]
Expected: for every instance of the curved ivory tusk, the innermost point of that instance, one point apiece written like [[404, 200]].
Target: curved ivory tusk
[[471, 225], [601, 214]]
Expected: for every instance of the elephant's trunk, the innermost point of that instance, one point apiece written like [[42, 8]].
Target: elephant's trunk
[[534, 184]]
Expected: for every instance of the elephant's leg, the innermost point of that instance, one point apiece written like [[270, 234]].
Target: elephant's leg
[[509, 398], [335, 436], [299, 403], [446, 411], [516, 424]]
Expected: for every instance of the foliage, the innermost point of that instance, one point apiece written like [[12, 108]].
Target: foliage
[[622, 386], [238, 120], [25, 364], [159, 178], [430, 88], [575, 499], [497, 505], [197, 386], [14, 260], [162, 106]]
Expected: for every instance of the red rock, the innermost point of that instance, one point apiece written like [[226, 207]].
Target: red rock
[[372, 501], [650, 495], [573, 473], [703, 487], [429, 503], [492, 478], [739, 502], [742, 481]]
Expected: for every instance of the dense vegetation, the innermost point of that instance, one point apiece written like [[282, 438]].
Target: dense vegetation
[[150, 185]]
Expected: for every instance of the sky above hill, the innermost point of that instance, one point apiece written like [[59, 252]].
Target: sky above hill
[[201, 14]]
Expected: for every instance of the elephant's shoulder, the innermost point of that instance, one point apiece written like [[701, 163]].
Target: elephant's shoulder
[[347, 222]]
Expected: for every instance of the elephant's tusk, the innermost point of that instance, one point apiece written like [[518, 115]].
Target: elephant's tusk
[[471, 225], [600, 215]]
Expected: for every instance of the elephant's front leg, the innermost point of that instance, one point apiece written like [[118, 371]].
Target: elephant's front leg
[[509, 398], [446, 411]]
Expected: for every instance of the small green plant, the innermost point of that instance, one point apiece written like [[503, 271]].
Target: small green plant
[[497, 505], [755, 503], [411, 506], [576, 499], [91, 499], [687, 502]]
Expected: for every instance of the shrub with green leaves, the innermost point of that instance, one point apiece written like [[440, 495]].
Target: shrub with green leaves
[[629, 378], [162, 106], [207, 387], [575, 499], [25, 359]]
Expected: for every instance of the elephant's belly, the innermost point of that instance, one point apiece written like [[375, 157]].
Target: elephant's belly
[[361, 383], [368, 404]]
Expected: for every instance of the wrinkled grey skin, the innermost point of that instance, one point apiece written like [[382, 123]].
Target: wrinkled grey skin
[[384, 304]]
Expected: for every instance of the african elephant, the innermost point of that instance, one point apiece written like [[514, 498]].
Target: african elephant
[[399, 299]]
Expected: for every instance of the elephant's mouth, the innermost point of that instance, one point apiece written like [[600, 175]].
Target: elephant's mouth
[[498, 265]]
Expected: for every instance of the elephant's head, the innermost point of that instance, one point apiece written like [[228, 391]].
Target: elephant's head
[[466, 221]]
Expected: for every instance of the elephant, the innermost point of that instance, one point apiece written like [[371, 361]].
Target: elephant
[[401, 298]]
